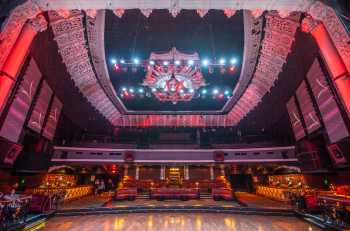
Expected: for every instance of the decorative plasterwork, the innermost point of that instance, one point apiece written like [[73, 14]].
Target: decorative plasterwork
[[295, 5], [253, 28], [13, 25], [276, 45], [335, 28], [95, 33], [268, 63], [69, 35]]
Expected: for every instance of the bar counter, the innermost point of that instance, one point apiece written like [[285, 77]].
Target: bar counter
[[70, 193]]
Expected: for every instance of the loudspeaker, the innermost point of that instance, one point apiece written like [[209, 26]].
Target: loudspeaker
[[9, 151], [339, 153]]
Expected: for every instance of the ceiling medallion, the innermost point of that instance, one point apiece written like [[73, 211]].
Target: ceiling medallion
[[174, 76]]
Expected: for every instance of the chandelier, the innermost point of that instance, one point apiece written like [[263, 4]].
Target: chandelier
[[174, 76]]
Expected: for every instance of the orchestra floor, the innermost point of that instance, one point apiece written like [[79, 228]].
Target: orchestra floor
[[176, 221]]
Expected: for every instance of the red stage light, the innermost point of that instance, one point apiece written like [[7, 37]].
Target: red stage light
[[116, 67], [232, 69]]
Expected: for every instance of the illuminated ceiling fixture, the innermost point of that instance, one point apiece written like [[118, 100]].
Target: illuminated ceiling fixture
[[174, 83]]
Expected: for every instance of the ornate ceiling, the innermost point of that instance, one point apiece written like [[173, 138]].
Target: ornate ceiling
[[212, 38], [262, 62]]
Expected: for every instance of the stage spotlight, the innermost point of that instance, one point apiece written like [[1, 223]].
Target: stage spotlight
[[124, 89], [227, 92], [136, 61], [181, 91], [154, 90], [191, 90], [113, 61], [151, 62], [177, 62], [205, 62], [232, 69], [233, 61], [141, 90], [122, 61], [190, 62], [116, 67], [222, 61], [165, 63], [132, 90], [215, 91], [204, 91]]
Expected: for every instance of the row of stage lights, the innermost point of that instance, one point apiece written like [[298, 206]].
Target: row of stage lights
[[215, 93], [204, 62]]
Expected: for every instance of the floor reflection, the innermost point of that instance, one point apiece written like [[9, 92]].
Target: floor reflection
[[177, 221]]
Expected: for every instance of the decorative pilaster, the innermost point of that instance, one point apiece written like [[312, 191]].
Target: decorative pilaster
[[137, 173], [16, 57], [162, 172], [331, 56], [186, 172], [222, 170], [126, 170], [211, 169]]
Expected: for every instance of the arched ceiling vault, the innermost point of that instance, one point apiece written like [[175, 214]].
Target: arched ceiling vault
[[261, 64]]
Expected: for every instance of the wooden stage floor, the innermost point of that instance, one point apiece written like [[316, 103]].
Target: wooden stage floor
[[176, 221]]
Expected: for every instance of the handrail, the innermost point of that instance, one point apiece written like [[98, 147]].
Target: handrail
[[18, 199]]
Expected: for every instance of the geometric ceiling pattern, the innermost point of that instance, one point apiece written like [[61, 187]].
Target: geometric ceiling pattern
[[74, 52], [66, 18]]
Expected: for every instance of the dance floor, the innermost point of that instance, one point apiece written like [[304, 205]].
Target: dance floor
[[167, 203], [251, 200], [176, 221]]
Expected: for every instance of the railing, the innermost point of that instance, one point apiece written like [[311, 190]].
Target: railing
[[335, 210], [13, 212]]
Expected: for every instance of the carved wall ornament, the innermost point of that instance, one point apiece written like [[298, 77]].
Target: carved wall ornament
[[257, 13], [39, 23], [146, 12], [91, 13], [229, 12], [119, 12], [284, 13], [308, 24], [64, 13], [202, 12]]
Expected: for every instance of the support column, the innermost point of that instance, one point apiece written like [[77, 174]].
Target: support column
[[334, 62], [162, 172], [137, 173], [16, 58], [126, 170], [186, 172], [211, 172], [222, 170]]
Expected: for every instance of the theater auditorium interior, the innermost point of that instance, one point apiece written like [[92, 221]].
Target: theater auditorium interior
[[175, 115]]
